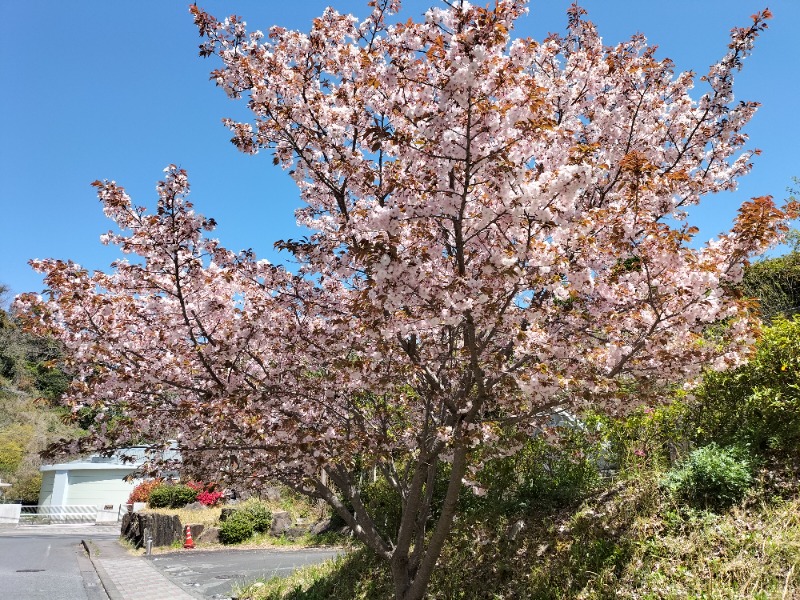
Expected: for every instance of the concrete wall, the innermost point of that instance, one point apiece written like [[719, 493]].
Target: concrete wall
[[98, 487], [85, 484], [46, 491], [9, 513]]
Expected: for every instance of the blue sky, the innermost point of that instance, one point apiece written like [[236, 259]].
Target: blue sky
[[101, 89]]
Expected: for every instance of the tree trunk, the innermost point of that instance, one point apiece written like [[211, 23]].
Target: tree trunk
[[400, 577], [411, 583]]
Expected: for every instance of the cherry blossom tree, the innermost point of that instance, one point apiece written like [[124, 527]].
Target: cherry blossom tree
[[498, 226]]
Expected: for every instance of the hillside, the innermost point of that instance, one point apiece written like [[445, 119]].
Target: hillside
[[30, 419], [627, 538]]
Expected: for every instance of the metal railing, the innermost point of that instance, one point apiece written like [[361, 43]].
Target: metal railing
[[48, 515]]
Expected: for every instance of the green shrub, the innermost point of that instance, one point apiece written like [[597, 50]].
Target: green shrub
[[26, 486], [649, 437], [237, 528], [182, 495], [711, 477], [250, 517], [557, 475], [758, 404], [775, 282], [384, 503], [160, 496], [171, 496], [258, 513], [542, 473]]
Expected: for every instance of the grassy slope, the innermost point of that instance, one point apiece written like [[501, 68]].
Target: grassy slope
[[628, 541]]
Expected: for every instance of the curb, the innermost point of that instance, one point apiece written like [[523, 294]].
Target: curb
[[108, 585], [92, 584]]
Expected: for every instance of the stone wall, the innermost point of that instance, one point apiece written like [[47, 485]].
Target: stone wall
[[164, 529]]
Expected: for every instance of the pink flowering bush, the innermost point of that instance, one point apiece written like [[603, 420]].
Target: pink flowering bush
[[198, 486], [205, 492], [209, 498]]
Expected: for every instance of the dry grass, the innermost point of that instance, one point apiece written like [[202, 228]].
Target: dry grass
[[748, 552], [209, 517], [301, 508]]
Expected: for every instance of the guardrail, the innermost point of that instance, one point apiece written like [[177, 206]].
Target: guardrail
[[48, 515]]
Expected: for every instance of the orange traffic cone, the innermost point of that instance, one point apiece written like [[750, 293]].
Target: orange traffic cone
[[188, 542]]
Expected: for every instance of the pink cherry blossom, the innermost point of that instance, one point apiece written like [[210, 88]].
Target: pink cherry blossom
[[498, 228]]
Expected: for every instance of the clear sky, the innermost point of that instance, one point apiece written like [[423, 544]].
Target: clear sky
[[105, 89]]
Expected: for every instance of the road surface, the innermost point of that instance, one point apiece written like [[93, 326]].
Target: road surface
[[43, 563], [213, 574]]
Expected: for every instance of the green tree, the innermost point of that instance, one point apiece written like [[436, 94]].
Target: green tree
[[28, 362], [757, 404], [775, 282]]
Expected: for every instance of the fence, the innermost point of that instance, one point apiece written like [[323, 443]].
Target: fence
[[47, 515]]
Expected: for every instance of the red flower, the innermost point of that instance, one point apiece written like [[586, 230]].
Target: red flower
[[209, 498]]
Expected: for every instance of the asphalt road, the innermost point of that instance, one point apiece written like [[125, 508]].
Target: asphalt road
[[42, 564], [213, 574]]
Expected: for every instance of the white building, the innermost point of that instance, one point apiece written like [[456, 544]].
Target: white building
[[93, 482]]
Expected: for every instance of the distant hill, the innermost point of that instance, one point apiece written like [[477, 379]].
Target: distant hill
[[31, 382]]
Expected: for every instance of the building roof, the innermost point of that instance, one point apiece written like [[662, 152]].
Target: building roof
[[126, 459]]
